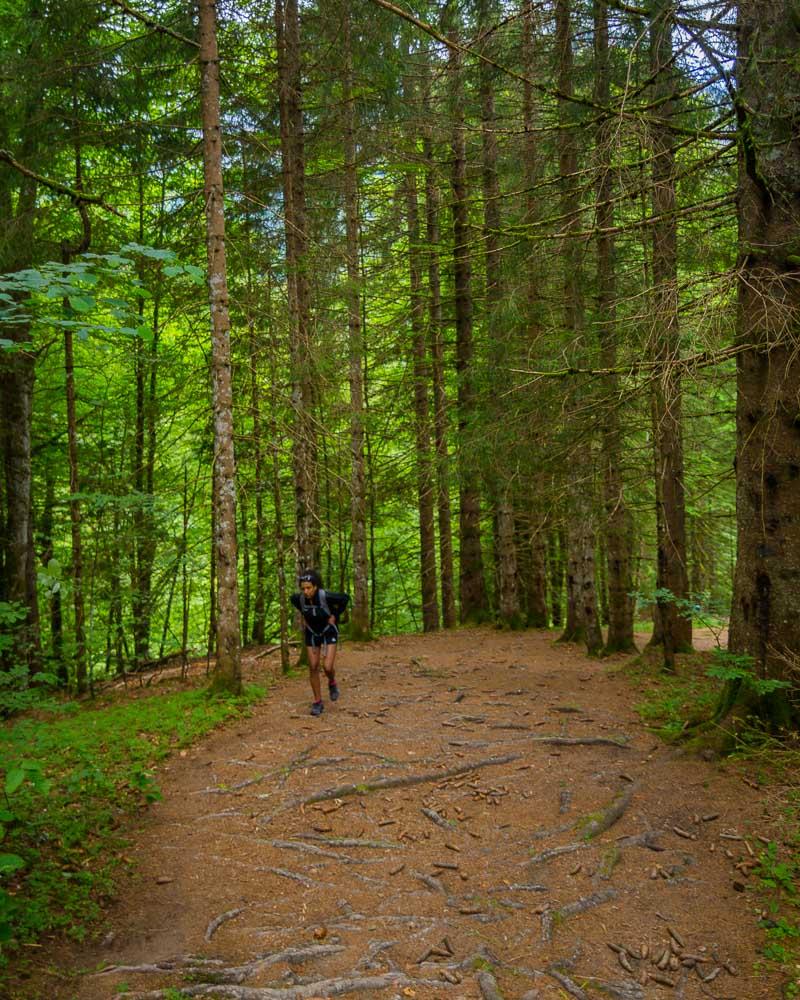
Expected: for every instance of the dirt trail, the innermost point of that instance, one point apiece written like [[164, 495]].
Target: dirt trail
[[480, 880]]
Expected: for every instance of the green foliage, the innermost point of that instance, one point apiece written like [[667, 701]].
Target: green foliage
[[779, 886], [69, 782], [672, 699], [740, 669]]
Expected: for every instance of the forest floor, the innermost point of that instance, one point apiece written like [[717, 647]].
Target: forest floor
[[482, 814]]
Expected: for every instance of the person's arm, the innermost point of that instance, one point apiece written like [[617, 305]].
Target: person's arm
[[337, 603], [295, 599]]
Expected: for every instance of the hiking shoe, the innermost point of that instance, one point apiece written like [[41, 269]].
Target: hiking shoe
[[317, 708], [333, 691]]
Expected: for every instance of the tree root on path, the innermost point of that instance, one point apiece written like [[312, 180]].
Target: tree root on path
[[551, 917], [398, 781], [388, 845], [345, 859], [579, 741], [593, 825], [488, 986], [217, 922], [322, 988]]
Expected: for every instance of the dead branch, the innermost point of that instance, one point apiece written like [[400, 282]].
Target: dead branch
[[79, 197], [434, 817], [572, 988], [555, 852]]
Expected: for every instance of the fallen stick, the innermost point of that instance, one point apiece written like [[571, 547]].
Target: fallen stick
[[217, 922], [345, 859]]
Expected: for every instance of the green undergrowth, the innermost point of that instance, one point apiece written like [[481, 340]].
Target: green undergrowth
[[669, 701], [71, 778]]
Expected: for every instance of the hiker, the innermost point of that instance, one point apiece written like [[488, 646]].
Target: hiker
[[321, 611]]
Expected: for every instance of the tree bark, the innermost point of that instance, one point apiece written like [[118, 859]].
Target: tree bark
[[582, 619], [304, 453], [228, 673], [619, 524], [472, 586], [425, 478], [499, 475], [436, 348], [765, 624], [359, 615], [671, 577]]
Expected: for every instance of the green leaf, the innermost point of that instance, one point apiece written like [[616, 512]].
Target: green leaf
[[14, 779], [173, 270], [82, 303], [10, 863]]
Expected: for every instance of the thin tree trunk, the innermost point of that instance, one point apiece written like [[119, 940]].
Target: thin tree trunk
[[672, 577], [228, 673], [304, 453], [556, 557], [58, 663], [440, 422], [359, 616], [619, 524], [500, 474], [472, 586], [425, 477]]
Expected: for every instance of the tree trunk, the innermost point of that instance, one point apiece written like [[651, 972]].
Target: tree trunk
[[472, 586], [304, 453], [499, 475], [672, 578], [619, 524], [228, 673], [425, 479], [359, 615], [765, 624], [17, 376], [582, 619], [440, 422]]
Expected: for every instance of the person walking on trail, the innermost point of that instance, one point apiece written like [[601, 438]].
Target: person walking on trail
[[321, 610]]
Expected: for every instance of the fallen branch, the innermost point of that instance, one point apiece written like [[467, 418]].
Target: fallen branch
[[388, 845], [223, 918], [292, 845]]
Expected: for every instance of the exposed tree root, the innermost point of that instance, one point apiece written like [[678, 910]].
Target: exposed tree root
[[593, 825], [321, 838], [401, 781], [579, 741], [345, 859], [555, 852], [217, 922], [566, 983], [322, 988], [488, 986]]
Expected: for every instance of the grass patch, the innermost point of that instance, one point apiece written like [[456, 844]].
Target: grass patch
[[71, 779], [670, 700]]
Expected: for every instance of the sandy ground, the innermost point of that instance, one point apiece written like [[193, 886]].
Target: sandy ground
[[480, 815]]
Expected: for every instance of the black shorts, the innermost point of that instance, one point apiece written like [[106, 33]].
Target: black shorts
[[328, 637]]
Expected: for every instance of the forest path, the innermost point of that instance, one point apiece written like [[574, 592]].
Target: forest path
[[471, 875]]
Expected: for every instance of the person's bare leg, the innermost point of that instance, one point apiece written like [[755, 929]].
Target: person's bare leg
[[313, 671], [328, 664]]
